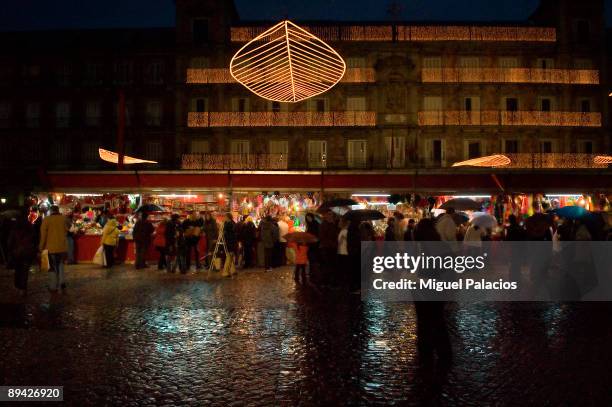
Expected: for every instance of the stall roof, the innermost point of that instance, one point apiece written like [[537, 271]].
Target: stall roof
[[434, 181]]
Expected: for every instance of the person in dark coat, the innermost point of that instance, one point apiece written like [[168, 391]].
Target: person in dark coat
[[312, 227], [353, 239], [142, 234], [515, 233], [22, 246], [192, 228], [328, 247], [247, 236], [268, 238], [432, 331], [231, 243], [171, 243], [390, 231], [211, 232]]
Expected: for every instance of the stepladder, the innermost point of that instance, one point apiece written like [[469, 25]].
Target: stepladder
[[219, 243]]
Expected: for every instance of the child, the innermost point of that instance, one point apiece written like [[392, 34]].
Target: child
[[301, 259]]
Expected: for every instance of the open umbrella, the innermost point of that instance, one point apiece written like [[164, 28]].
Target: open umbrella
[[484, 220], [334, 203], [571, 212], [150, 208], [461, 204], [300, 237], [363, 214]]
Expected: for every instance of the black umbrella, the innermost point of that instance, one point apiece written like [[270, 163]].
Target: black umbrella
[[363, 214], [150, 208], [334, 203], [461, 204]]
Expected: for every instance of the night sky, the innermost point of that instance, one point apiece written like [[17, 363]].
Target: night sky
[[52, 14]]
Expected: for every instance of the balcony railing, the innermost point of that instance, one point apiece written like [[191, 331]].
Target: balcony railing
[[222, 75], [413, 33], [234, 162], [507, 118], [281, 119], [510, 75]]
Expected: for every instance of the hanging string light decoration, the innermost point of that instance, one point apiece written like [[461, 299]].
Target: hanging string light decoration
[[539, 160], [222, 75], [497, 160], [510, 75], [287, 64], [112, 157], [508, 118]]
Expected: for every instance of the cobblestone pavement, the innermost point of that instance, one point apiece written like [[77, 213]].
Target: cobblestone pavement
[[133, 338]]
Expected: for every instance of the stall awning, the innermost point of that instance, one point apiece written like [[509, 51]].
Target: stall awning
[[433, 181]]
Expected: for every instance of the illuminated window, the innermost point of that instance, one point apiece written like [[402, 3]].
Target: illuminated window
[[356, 104], [93, 113], [62, 114], [279, 151], [317, 153], [199, 146], [200, 31], [33, 114], [395, 149], [153, 115], [357, 153]]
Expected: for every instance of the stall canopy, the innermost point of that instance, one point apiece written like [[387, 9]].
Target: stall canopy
[[447, 181]]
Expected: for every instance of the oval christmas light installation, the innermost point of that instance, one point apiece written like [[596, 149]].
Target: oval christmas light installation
[[287, 64]]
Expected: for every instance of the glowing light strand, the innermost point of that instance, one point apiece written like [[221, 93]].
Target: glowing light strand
[[508, 118], [112, 157], [222, 75], [510, 75], [539, 160], [303, 67], [281, 119]]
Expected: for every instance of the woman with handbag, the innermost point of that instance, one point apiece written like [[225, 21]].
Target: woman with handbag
[[110, 239]]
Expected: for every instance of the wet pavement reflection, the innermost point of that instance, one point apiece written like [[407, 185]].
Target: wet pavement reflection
[[148, 338]]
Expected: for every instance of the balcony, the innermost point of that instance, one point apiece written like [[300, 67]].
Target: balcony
[[234, 162], [506, 118], [510, 75], [416, 33], [281, 119], [222, 75]]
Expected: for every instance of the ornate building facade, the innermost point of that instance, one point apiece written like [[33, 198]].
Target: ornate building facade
[[415, 96]]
